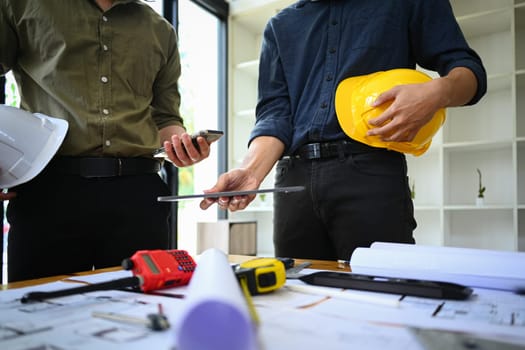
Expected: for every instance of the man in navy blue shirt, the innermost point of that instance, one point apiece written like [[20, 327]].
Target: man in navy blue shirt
[[357, 194]]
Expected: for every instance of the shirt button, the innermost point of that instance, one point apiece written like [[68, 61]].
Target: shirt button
[[329, 78], [324, 105], [332, 50], [105, 111], [334, 22], [105, 47], [104, 18], [104, 79], [108, 143]]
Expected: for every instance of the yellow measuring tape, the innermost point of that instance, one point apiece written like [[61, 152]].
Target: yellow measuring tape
[[259, 276]]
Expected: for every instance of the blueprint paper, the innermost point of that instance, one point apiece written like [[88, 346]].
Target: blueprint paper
[[472, 267]]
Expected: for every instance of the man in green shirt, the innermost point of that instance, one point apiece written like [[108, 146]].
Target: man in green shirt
[[111, 69]]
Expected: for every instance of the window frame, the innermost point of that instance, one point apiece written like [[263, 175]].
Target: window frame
[[220, 9]]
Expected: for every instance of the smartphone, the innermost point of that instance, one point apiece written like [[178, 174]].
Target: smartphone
[[209, 135]]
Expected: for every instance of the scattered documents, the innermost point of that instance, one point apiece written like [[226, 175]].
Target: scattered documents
[[293, 317]]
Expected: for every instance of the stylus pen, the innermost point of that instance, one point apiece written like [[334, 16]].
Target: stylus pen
[[339, 294]]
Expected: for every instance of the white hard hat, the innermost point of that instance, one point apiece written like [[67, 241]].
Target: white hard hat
[[27, 143]]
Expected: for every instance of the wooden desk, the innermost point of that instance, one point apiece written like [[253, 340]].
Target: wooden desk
[[316, 264]]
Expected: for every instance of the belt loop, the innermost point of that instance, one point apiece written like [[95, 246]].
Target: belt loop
[[119, 167], [316, 151], [341, 151]]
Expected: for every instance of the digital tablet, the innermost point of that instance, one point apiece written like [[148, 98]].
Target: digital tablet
[[230, 193]]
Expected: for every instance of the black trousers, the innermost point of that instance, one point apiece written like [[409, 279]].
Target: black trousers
[[62, 224], [350, 201]]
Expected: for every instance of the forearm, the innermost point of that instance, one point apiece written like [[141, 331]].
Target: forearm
[[458, 87], [263, 153]]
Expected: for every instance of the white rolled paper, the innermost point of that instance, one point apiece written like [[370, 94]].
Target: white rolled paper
[[216, 315]]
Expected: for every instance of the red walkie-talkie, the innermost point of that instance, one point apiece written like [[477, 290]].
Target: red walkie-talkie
[[159, 269]]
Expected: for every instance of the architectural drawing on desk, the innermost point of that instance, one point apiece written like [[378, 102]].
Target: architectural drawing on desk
[[12, 326], [489, 312], [30, 326], [114, 333], [20, 328], [488, 306]]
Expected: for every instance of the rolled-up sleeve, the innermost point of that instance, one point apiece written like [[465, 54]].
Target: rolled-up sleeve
[[440, 45], [273, 111]]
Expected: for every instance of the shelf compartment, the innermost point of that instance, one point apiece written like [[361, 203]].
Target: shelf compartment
[[240, 132], [246, 114], [480, 229], [249, 43], [520, 35], [490, 48], [254, 14], [468, 7], [521, 229], [246, 91], [264, 221], [486, 22], [461, 178], [428, 230], [520, 148], [478, 122], [250, 67], [520, 105], [422, 171]]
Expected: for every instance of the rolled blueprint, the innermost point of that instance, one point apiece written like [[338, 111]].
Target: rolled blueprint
[[216, 314]]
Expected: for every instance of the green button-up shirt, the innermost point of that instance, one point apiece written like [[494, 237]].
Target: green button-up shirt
[[112, 75]]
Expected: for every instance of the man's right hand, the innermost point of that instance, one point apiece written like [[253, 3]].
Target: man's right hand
[[234, 180]]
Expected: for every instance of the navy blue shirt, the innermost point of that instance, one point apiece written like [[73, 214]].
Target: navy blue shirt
[[310, 46]]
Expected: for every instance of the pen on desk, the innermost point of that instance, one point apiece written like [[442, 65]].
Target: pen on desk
[[156, 322], [339, 294]]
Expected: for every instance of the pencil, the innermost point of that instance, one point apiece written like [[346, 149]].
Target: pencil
[[339, 294]]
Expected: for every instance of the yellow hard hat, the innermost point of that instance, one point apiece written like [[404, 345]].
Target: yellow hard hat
[[353, 99]]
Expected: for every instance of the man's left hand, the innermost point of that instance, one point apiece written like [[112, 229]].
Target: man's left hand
[[412, 106]]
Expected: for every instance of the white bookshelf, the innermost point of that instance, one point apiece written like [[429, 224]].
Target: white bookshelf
[[489, 136], [485, 136]]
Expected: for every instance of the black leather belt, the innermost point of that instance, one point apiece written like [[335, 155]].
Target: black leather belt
[[103, 166], [321, 150]]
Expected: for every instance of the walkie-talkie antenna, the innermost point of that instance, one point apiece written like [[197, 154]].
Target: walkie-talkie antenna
[[135, 281]]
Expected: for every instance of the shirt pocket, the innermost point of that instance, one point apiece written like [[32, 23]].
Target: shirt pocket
[[145, 63], [377, 29]]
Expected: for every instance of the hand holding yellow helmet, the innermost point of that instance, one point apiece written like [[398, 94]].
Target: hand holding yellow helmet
[[353, 99]]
